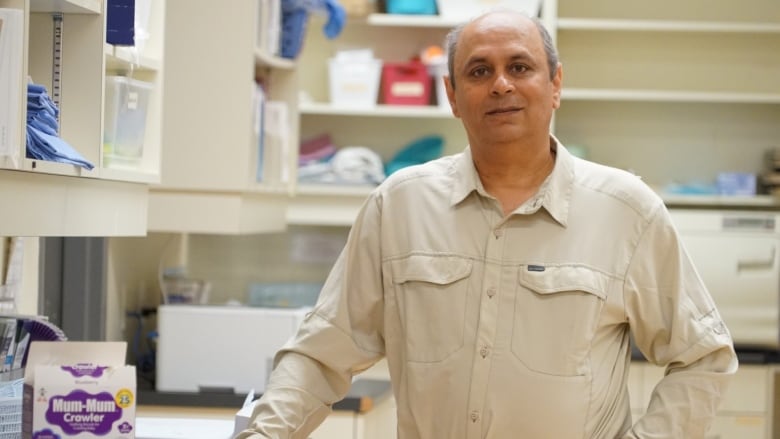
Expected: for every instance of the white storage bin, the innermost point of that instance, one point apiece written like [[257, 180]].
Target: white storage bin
[[463, 10], [354, 82], [126, 103], [204, 348]]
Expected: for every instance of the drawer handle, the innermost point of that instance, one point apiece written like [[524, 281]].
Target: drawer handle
[[757, 264]]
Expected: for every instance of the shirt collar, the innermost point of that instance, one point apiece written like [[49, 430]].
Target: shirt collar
[[554, 193]]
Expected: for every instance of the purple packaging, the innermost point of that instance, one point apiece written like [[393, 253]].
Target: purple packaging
[[82, 400]]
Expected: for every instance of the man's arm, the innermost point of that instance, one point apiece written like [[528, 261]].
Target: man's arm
[[676, 324], [341, 337]]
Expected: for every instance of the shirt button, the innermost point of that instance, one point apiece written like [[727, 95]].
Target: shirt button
[[474, 416], [491, 292], [498, 233], [484, 351]]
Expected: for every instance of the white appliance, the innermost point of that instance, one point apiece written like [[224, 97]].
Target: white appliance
[[736, 254], [220, 348]]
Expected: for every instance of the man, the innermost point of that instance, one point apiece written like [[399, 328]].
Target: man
[[502, 283]]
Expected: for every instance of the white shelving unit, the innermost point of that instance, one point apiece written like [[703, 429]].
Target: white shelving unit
[[210, 139], [45, 198], [380, 110], [145, 64], [675, 93], [385, 129]]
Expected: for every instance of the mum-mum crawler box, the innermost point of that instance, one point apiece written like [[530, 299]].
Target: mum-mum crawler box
[[78, 390]]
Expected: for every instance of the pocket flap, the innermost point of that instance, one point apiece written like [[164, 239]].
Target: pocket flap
[[562, 278], [439, 270]]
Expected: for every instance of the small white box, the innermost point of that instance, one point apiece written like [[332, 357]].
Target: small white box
[[126, 104], [78, 390], [462, 10], [220, 348], [355, 82]]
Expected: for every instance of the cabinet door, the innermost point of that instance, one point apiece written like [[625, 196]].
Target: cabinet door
[[743, 412], [338, 425]]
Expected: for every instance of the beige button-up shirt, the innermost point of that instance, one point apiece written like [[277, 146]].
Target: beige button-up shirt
[[509, 326]]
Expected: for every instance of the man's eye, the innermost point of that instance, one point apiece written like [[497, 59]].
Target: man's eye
[[519, 68], [479, 72]]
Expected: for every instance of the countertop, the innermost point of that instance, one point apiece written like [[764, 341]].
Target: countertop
[[361, 397]]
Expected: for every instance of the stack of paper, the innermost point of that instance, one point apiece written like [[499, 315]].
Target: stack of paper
[[11, 83]]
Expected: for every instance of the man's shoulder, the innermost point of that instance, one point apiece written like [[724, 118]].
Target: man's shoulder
[[622, 186], [440, 168]]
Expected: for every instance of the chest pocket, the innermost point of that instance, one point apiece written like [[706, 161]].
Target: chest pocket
[[557, 312], [431, 292]]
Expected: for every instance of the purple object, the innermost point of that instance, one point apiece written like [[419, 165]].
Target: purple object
[[316, 149], [82, 412]]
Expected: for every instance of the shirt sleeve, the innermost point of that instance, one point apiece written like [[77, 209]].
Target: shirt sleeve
[[341, 337], [676, 324]]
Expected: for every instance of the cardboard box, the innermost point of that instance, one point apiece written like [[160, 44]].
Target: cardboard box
[[78, 390]]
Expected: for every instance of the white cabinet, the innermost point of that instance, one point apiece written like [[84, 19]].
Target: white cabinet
[[211, 150], [746, 409], [377, 423], [65, 50]]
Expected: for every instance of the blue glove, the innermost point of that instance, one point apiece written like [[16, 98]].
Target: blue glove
[[337, 16]]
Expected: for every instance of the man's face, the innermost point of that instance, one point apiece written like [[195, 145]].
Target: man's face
[[503, 88]]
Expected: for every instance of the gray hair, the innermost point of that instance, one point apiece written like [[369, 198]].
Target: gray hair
[[453, 36]]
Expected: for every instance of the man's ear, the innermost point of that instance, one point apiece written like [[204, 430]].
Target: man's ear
[[557, 86], [451, 95]]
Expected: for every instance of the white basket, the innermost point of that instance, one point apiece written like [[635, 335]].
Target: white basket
[[462, 10], [10, 417], [354, 83]]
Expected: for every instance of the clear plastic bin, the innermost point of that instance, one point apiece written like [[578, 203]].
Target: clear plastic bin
[[283, 294], [126, 104]]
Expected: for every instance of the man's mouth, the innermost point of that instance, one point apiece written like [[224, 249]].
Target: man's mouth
[[503, 110]]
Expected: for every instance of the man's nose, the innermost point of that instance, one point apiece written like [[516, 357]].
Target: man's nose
[[502, 84]]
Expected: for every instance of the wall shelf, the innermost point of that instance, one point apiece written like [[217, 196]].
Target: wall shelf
[[67, 6], [595, 94], [326, 205], [127, 58], [595, 24], [410, 111], [400, 20], [276, 62]]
